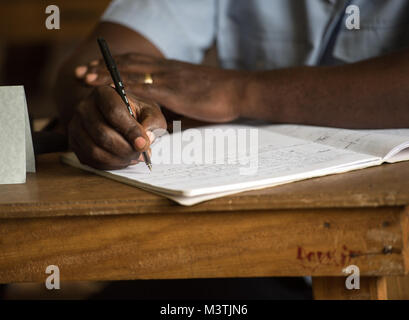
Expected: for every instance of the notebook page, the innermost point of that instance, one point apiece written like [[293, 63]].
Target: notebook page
[[381, 143], [279, 159], [188, 201], [400, 153]]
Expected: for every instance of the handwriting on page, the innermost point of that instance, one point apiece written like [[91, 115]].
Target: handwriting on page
[[275, 160], [373, 142]]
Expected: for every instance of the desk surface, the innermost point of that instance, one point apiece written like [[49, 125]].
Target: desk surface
[[60, 190], [315, 227]]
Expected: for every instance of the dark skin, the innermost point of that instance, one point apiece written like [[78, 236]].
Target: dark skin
[[215, 96], [368, 94], [109, 139], [100, 129]]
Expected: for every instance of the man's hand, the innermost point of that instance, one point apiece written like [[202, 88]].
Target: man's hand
[[105, 136], [199, 92]]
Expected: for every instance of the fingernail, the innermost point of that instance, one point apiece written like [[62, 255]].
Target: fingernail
[[140, 142], [94, 63], [141, 158], [80, 71], [112, 85], [91, 77], [151, 136]]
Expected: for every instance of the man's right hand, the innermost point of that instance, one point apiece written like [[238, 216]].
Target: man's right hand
[[105, 136]]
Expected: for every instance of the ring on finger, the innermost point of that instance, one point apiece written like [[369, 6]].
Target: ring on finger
[[148, 79]]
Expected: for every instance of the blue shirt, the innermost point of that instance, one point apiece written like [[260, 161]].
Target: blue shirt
[[266, 34]]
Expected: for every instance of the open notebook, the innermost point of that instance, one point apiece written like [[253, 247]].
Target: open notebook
[[254, 157]]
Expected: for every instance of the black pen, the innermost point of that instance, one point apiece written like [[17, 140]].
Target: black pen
[[119, 86]]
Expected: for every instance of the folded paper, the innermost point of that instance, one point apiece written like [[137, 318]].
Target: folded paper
[[16, 146]]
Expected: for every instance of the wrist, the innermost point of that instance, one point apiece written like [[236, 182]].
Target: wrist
[[248, 92], [262, 96]]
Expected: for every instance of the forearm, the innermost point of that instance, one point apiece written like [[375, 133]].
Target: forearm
[[69, 90], [368, 94]]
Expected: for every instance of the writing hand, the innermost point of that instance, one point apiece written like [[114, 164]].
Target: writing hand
[[105, 136]]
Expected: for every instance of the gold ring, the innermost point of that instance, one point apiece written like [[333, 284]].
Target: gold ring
[[148, 79]]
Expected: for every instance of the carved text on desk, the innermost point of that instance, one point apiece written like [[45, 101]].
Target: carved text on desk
[[335, 257]]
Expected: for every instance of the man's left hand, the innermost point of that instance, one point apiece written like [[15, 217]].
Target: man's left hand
[[199, 92]]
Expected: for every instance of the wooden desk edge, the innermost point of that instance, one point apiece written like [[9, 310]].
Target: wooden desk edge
[[322, 243], [126, 207]]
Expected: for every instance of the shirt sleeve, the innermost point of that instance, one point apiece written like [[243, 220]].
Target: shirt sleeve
[[180, 29]]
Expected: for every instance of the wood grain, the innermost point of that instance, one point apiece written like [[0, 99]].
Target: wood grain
[[371, 288], [393, 288], [405, 237], [319, 242], [333, 288], [60, 190]]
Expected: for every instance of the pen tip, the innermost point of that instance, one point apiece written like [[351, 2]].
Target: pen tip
[[150, 167]]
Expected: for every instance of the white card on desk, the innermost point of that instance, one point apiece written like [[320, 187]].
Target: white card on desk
[[16, 146]]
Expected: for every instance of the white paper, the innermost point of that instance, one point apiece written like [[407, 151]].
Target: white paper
[[16, 148], [388, 144], [286, 153], [280, 159]]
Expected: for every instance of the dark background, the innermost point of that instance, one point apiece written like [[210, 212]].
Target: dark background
[[30, 53]]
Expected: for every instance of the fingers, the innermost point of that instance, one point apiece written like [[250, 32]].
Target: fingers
[[166, 89], [96, 73], [153, 121], [91, 154], [103, 135], [117, 116], [151, 118], [99, 76]]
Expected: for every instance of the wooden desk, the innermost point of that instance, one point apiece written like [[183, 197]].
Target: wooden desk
[[97, 229]]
